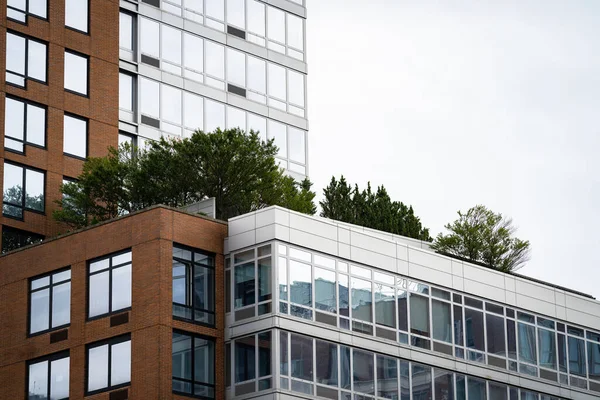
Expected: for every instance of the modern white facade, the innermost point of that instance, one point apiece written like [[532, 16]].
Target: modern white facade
[[194, 64], [321, 309]]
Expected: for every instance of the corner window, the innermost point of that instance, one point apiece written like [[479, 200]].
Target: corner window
[[193, 365], [50, 301], [193, 285], [77, 15], [25, 123], [48, 377], [19, 10], [76, 73], [23, 190], [109, 284], [108, 364], [75, 136], [14, 238], [25, 59]]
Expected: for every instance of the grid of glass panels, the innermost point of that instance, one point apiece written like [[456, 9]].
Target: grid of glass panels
[[252, 20], [184, 54], [178, 112], [19, 10], [325, 369], [368, 301]]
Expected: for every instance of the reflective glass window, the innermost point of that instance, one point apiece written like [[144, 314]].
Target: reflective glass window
[[362, 300], [277, 84], [300, 283], [214, 115], [327, 363], [193, 111], [498, 392], [150, 97], [264, 279], [24, 123], [385, 309], [14, 238], [236, 67], [474, 329], [236, 118], [244, 284], [193, 359], [593, 360], [419, 314], [301, 357], [264, 354], [193, 56], [23, 189], [325, 297], [236, 14], [25, 59], [50, 301], [421, 381], [277, 132], [170, 104], [276, 24], [19, 10], [49, 377], [75, 136], [171, 44], [215, 60], [476, 389], [126, 92], [443, 384], [126, 31], [256, 17], [295, 32], [387, 377], [76, 14], [363, 372], [547, 348], [215, 9], [296, 88], [110, 284], [402, 302], [495, 335], [150, 37], [527, 343], [257, 75], [576, 356], [245, 359], [76, 73], [297, 146], [108, 364], [458, 326], [441, 317]]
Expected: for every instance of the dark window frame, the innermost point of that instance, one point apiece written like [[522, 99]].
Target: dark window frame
[[28, 14], [50, 286], [192, 381], [23, 206], [88, 20], [87, 83], [6, 228], [110, 268], [189, 279], [87, 135], [51, 357], [26, 76], [25, 126], [110, 342]]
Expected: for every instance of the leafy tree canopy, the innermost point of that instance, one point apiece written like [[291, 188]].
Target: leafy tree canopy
[[370, 209], [484, 236], [235, 167]]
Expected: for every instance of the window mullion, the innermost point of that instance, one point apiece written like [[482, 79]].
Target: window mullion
[[110, 278], [50, 295]]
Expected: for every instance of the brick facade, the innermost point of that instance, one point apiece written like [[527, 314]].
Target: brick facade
[[100, 107], [150, 235]]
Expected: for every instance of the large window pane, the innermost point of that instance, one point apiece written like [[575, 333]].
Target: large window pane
[[527, 349], [76, 14], [276, 24], [98, 301], [40, 311], [236, 118], [593, 360], [38, 380], [495, 335], [171, 44], [257, 75], [277, 84], [215, 9], [245, 363], [182, 356], [474, 329], [193, 111], [215, 60], [301, 357], [34, 190], [244, 283], [150, 97], [14, 123], [264, 279], [256, 17], [126, 31], [15, 53], [576, 356], [300, 283], [126, 92], [296, 88], [76, 73], [443, 384], [385, 310], [170, 104], [61, 304], [476, 388], [297, 145], [37, 63], [402, 303], [150, 37], [236, 14], [215, 116], [419, 314], [363, 373], [362, 301], [295, 32], [98, 368], [59, 378], [193, 54], [121, 287], [120, 367], [36, 125], [327, 363], [440, 315], [421, 381], [387, 377], [547, 348], [75, 136], [277, 132], [325, 298]]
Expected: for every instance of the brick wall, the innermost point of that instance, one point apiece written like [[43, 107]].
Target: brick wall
[[150, 234], [101, 107]]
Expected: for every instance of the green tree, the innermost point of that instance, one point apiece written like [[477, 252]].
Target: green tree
[[484, 236], [371, 209], [235, 167]]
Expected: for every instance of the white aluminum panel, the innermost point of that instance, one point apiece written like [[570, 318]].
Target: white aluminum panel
[[343, 235], [401, 251], [344, 250], [242, 240], [402, 267], [243, 224], [172, 19], [172, 80], [430, 260], [307, 224], [559, 298], [511, 298], [535, 290], [372, 258], [510, 283], [429, 275], [583, 318], [483, 290], [311, 241], [457, 268], [561, 313], [374, 244], [484, 275], [458, 283], [537, 305]]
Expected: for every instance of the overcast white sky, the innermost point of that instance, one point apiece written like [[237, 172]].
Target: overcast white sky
[[450, 104]]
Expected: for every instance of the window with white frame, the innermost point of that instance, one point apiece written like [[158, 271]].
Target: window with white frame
[[77, 14], [24, 123], [76, 72], [26, 59], [75, 136]]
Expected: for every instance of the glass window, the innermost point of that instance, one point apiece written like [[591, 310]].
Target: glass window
[[236, 67], [327, 363], [297, 145], [258, 124], [277, 132], [385, 310], [301, 357], [421, 380], [245, 361], [14, 238], [24, 123], [474, 329], [244, 284], [50, 301], [576, 356], [75, 136], [194, 286], [495, 335], [19, 10], [300, 283], [277, 84], [76, 73], [363, 373], [264, 279], [215, 60], [419, 314], [170, 104], [264, 354], [76, 14], [325, 298], [126, 92], [215, 116], [215, 9], [276, 24], [498, 392], [256, 17], [150, 97], [440, 316], [443, 384], [547, 348], [362, 300], [257, 75], [236, 13], [126, 31], [16, 199], [25, 59], [593, 360], [402, 301], [109, 284], [108, 364], [476, 389], [150, 37], [458, 326], [296, 88], [171, 45], [295, 32], [193, 56], [236, 118], [527, 346], [193, 360], [387, 377], [49, 377], [193, 111]]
